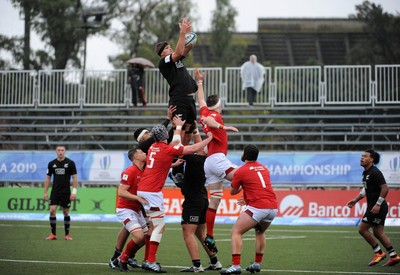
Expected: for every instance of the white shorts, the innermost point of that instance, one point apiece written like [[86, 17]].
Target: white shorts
[[215, 167], [257, 214], [155, 199], [131, 220]]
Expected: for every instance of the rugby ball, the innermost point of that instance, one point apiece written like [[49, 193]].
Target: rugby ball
[[190, 38]]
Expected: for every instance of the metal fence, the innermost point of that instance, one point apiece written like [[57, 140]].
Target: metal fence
[[306, 85]]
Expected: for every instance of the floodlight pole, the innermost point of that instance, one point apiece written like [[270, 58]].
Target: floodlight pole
[[84, 52]]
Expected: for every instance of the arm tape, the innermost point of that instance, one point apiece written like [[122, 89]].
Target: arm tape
[[362, 192], [380, 201]]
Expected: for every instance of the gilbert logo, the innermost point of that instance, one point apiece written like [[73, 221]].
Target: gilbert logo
[[105, 162], [395, 164], [291, 206]]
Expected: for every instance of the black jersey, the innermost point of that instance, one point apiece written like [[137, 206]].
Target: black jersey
[[372, 181], [177, 76], [62, 172], [194, 178]]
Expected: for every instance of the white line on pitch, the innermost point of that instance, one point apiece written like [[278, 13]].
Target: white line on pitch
[[20, 261]]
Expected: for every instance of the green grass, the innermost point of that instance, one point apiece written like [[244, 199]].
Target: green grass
[[290, 249]]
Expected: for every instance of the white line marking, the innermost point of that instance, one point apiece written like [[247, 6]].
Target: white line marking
[[217, 229], [20, 261]]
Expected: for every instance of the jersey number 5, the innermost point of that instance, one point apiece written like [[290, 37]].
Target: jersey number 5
[[150, 165]]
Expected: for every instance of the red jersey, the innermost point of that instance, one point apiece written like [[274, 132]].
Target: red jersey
[[131, 176], [255, 181], [159, 160], [219, 143]]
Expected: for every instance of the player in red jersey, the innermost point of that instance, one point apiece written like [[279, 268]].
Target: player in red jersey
[[261, 208], [159, 160], [145, 140], [129, 207], [217, 166]]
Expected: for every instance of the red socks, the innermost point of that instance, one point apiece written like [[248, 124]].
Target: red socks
[[210, 221]]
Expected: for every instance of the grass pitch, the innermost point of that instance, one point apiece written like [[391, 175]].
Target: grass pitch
[[290, 249]]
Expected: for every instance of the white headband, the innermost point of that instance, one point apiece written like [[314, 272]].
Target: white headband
[[142, 133], [212, 108]]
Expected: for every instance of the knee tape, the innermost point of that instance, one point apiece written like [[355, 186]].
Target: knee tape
[[216, 193], [159, 226], [132, 226]]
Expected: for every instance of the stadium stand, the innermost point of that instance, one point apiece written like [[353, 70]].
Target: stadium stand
[[279, 128], [294, 41]]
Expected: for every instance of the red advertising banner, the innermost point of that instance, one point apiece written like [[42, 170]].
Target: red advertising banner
[[296, 203]]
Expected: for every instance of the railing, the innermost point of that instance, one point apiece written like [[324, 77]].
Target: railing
[[307, 85]]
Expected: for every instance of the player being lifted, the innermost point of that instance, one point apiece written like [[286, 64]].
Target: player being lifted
[[182, 85]]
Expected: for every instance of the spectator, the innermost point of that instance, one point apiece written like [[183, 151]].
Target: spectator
[[252, 74], [135, 77], [62, 169]]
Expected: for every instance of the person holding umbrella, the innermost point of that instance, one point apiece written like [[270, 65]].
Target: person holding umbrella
[[136, 78]]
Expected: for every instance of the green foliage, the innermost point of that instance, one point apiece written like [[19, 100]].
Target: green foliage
[[383, 45], [144, 23], [223, 27], [60, 26], [226, 49]]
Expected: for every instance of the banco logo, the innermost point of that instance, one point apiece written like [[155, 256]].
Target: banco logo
[[291, 206], [394, 164], [105, 162]]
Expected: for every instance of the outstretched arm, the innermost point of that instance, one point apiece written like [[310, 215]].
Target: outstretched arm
[[200, 92], [212, 123], [185, 26], [190, 149]]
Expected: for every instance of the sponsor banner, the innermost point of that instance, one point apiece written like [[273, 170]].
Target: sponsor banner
[[297, 207], [285, 168], [296, 203], [30, 200], [92, 166]]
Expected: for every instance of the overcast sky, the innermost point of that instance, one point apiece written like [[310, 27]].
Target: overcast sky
[[246, 21]]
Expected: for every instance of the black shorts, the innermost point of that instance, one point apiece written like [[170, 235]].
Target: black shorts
[[62, 199], [194, 211], [185, 109], [379, 218]]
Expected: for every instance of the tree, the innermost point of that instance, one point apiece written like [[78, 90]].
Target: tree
[[143, 23], [383, 45], [13, 45], [223, 27], [60, 25]]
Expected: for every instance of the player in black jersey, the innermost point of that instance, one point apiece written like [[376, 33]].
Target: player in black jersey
[[194, 209], [376, 190], [62, 169], [182, 85]]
